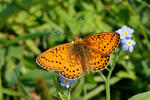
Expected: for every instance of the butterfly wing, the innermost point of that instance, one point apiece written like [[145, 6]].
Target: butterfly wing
[[72, 68], [97, 61], [104, 42], [54, 58]]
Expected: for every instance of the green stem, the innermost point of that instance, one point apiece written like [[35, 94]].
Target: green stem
[[104, 78], [107, 81], [107, 85], [68, 95], [65, 96]]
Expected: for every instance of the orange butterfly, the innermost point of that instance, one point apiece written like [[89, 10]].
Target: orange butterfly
[[71, 59]]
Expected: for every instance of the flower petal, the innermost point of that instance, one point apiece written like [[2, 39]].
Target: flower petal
[[131, 31], [133, 42], [64, 83], [67, 86], [123, 41], [129, 35], [119, 31], [61, 78], [122, 36], [128, 38], [130, 48], [71, 81], [124, 27], [125, 47]]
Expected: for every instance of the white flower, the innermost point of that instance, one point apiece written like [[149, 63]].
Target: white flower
[[125, 32], [127, 44]]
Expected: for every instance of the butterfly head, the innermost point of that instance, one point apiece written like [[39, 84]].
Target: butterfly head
[[76, 38]]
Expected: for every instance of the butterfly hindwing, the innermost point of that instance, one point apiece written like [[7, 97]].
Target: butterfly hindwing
[[97, 61], [72, 68]]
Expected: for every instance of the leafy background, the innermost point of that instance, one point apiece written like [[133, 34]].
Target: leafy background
[[29, 27]]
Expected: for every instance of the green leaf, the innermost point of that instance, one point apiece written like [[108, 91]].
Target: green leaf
[[12, 8], [77, 25], [114, 80], [32, 46], [17, 69], [15, 51], [141, 96], [1, 94], [11, 78], [55, 37], [123, 74], [14, 93], [78, 87], [89, 86], [2, 57], [76, 98], [94, 92], [30, 77], [25, 37], [11, 92]]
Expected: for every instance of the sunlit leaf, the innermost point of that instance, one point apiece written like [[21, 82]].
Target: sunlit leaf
[[141, 96]]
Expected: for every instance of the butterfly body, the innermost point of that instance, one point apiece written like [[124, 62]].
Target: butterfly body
[[80, 49], [71, 59]]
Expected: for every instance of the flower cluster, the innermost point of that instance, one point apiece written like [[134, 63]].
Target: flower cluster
[[125, 36], [65, 82]]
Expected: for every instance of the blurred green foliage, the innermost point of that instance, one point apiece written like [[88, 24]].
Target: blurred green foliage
[[29, 27]]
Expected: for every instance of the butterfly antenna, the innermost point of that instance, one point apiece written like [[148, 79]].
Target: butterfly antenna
[[57, 32], [69, 36]]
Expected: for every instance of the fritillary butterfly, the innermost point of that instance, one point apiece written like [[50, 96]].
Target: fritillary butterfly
[[90, 53]]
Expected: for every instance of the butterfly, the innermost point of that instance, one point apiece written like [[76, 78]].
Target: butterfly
[[90, 53]]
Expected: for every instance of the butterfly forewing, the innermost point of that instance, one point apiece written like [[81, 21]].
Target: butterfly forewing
[[104, 42], [54, 58]]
